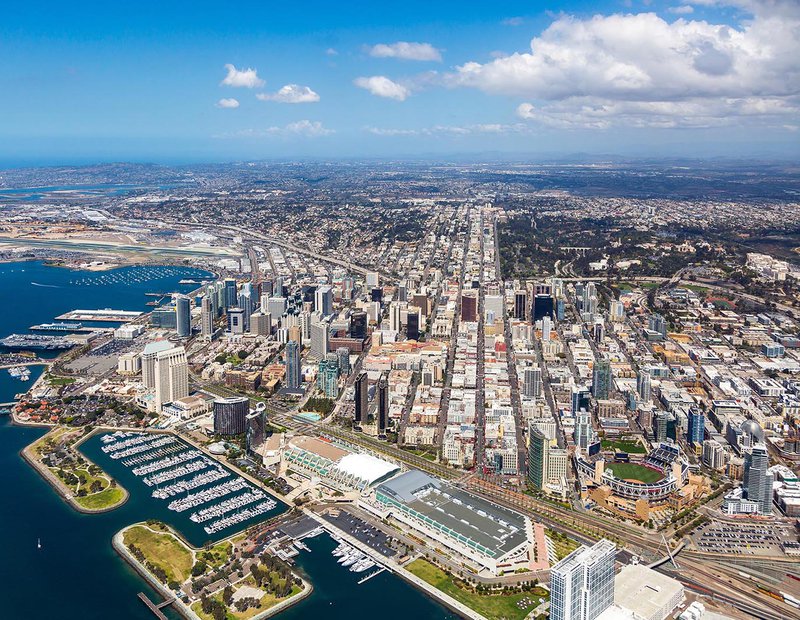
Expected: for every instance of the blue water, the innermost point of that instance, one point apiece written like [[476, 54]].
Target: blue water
[[77, 575]]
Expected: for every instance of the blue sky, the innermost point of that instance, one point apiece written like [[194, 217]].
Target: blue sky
[[148, 81]]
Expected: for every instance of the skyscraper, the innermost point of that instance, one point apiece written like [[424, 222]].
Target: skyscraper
[[230, 297], [757, 482], [584, 433], [469, 307], [657, 323], [696, 427], [172, 376], [358, 324], [413, 323], [319, 340], [382, 394], [183, 318], [580, 399], [230, 415], [521, 304], [236, 320], [542, 307], [323, 300], [361, 398], [328, 375], [151, 350], [396, 311], [601, 379], [643, 386], [343, 354], [538, 449], [293, 370], [582, 584], [547, 326], [207, 317]]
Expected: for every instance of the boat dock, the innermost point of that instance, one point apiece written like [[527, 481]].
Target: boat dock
[[371, 575], [106, 314], [156, 608]]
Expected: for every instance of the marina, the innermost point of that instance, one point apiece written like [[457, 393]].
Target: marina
[[20, 372], [37, 341], [204, 497]]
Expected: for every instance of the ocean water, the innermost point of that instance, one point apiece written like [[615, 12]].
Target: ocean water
[[76, 575]]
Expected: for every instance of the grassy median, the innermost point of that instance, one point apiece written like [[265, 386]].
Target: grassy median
[[515, 606]]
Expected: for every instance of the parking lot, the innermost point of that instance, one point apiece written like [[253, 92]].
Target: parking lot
[[744, 538], [365, 533]]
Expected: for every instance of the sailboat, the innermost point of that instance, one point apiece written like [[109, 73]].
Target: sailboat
[[38, 543]]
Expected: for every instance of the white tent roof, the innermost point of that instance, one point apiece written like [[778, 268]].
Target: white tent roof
[[365, 467]]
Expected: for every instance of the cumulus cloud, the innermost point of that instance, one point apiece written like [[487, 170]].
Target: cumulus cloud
[[228, 102], [406, 51], [242, 78], [381, 86], [291, 93], [640, 66]]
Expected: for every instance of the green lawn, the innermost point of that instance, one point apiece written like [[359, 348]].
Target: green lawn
[[267, 601], [622, 445], [162, 550], [104, 499], [493, 607], [632, 471]]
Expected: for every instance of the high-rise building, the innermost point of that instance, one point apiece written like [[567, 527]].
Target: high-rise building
[[358, 324], [323, 300], [713, 454], [382, 395], [277, 306], [582, 584], [413, 323], [320, 335], [599, 331], [183, 316], [547, 326], [230, 296], [376, 294], [396, 311], [542, 307], [583, 433], [151, 350], [361, 398], [538, 451], [665, 426], [260, 324], [757, 482], [696, 427], [658, 324], [294, 373], [532, 384], [172, 376], [601, 379], [328, 375], [643, 387], [343, 355], [469, 307], [521, 304], [256, 429], [236, 320], [230, 415], [373, 279], [207, 317], [580, 399]]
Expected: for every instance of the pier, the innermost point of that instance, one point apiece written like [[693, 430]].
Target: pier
[[106, 315], [156, 608]]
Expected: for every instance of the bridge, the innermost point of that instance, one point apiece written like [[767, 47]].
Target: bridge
[[156, 608], [670, 557]]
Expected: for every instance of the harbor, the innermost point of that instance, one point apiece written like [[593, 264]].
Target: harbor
[[104, 315], [189, 490]]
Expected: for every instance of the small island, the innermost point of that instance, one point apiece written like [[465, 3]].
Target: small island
[[221, 581], [84, 485]]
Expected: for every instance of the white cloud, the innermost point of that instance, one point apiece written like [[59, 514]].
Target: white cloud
[[291, 93], [381, 86], [591, 72], [331, 52], [513, 21], [304, 128], [244, 78], [406, 51], [452, 130], [684, 9], [228, 102]]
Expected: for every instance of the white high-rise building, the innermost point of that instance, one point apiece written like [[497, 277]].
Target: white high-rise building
[[372, 279], [264, 303], [276, 306], [396, 309], [323, 300], [207, 318], [547, 326], [319, 340], [582, 584], [151, 350], [172, 376]]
